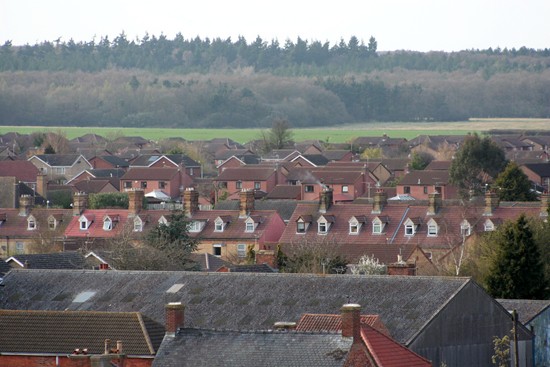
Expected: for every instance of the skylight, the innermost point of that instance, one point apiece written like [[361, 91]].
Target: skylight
[[175, 288], [83, 296]]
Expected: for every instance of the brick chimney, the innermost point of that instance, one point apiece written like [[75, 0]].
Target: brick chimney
[[25, 205], [325, 199], [190, 201], [401, 267], [491, 203], [434, 203], [267, 257], [379, 201], [351, 321], [42, 184], [135, 201], [80, 202], [246, 203], [544, 201], [174, 317]]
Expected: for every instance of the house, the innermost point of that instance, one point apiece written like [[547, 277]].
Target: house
[[171, 181], [441, 147], [19, 178], [232, 180], [60, 167], [388, 146], [95, 186], [538, 174], [448, 320], [538, 142], [354, 344], [231, 234], [77, 338], [27, 227], [54, 260], [535, 315], [419, 184], [108, 162], [185, 163]]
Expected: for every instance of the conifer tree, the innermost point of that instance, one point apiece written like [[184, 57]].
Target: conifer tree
[[517, 271]]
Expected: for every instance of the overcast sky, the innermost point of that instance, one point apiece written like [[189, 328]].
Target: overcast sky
[[421, 25]]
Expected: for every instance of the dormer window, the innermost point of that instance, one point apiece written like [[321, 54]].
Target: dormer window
[[196, 226], [355, 224], [85, 222], [163, 220], [249, 227], [323, 223], [107, 224], [31, 223], [465, 228], [52, 223], [489, 226], [411, 226], [378, 225], [220, 223], [138, 224], [302, 223], [432, 228]]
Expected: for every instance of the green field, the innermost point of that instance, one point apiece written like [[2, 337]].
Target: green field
[[341, 134]]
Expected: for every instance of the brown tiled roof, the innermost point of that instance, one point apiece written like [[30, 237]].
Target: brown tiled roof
[[246, 174], [17, 226], [150, 173], [22, 170], [55, 332], [426, 177], [438, 165], [285, 192], [92, 186]]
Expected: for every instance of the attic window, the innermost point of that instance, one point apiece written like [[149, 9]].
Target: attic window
[[196, 226], [377, 226], [31, 223], [84, 222], [432, 228], [138, 224], [465, 228], [489, 226], [163, 220], [301, 227], [52, 223], [249, 227], [323, 224], [355, 224], [107, 224], [411, 226], [219, 225]]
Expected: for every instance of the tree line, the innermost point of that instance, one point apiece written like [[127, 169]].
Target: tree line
[[207, 83]]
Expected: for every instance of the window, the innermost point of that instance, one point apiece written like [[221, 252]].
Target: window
[[249, 227], [241, 250], [191, 171], [163, 220], [218, 225], [257, 185], [127, 184], [223, 185], [409, 229], [83, 224], [425, 189], [195, 226], [377, 226], [19, 247], [300, 227], [31, 223], [354, 228], [345, 188], [51, 223], [323, 228], [406, 189], [465, 228], [489, 226], [138, 225], [107, 224], [432, 229], [217, 249], [309, 188], [143, 184], [59, 170], [162, 185], [239, 185]]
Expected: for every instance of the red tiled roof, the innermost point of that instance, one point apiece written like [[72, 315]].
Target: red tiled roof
[[148, 173], [95, 230], [22, 170], [245, 174]]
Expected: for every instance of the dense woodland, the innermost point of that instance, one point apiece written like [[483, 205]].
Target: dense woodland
[[156, 81]]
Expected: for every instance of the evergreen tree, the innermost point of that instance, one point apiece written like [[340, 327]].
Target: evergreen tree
[[514, 185], [516, 270]]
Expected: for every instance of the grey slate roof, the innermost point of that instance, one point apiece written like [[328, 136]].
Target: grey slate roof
[[527, 309], [235, 300], [62, 160], [192, 347], [56, 260]]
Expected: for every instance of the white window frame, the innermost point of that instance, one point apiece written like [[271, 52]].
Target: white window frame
[[219, 225], [241, 250], [249, 227], [345, 188], [409, 229], [31, 223], [377, 226], [465, 228], [138, 224], [299, 224], [215, 248], [84, 223], [107, 224], [433, 229], [323, 227], [489, 226], [52, 223], [163, 220]]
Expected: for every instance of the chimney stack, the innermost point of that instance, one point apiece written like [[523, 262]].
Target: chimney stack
[[174, 317], [246, 203], [380, 200], [135, 201], [25, 205], [351, 321], [80, 201], [434, 200], [325, 199], [491, 203], [190, 201], [42, 185]]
